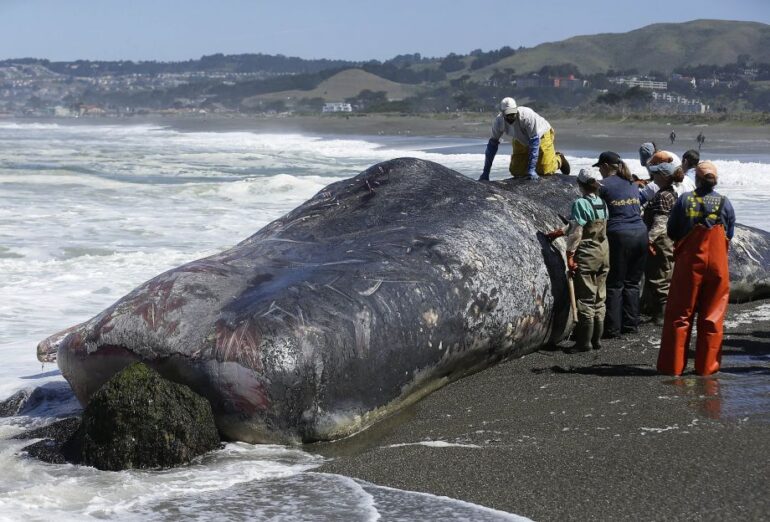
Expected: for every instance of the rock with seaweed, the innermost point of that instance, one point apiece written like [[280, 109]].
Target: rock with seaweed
[[140, 420]]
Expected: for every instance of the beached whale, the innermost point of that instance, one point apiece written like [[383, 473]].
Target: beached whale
[[369, 296]]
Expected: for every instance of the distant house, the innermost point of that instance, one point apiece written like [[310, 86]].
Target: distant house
[[337, 107], [570, 82], [708, 82], [92, 110], [529, 82], [670, 103], [749, 74], [62, 112], [639, 82], [686, 79], [535, 81], [694, 108]]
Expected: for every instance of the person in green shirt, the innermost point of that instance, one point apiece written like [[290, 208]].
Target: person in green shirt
[[588, 259]]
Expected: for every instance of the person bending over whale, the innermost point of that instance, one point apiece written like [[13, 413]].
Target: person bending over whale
[[532, 138]]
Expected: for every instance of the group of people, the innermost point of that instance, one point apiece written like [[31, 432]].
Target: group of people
[[700, 139], [674, 230]]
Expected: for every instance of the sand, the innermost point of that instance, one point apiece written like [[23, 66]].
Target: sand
[[573, 136], [588, 436]]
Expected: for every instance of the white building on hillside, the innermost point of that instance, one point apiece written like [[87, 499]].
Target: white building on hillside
[[666, 102], [62, 112], [337, 107], [644, 84]]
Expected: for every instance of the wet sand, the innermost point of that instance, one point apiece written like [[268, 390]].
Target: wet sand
[[575, 136], [588, 436]]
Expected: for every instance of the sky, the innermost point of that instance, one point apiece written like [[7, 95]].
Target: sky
[[173, 30]]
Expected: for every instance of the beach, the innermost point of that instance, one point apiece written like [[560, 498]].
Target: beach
[[596, 436], [95, 207], [573, 135], [589, 436]]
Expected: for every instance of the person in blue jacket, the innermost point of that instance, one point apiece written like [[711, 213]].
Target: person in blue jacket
[[627, 238]]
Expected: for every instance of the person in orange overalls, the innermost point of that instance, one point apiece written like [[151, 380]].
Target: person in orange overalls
[[701, 224]]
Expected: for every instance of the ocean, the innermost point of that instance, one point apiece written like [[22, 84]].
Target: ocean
[[91, 211]]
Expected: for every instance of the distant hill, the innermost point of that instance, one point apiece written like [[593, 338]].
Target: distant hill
[[734, 56], [658, 47], [215, 63], [345, 84]]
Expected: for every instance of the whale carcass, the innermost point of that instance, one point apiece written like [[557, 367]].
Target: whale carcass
[[367, 297]]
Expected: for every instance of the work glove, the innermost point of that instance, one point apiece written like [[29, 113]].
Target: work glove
[[651, 248], [572, 266], [489, 157], [553, 234], [532, 175]]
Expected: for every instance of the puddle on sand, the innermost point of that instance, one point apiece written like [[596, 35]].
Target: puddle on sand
[[739, 396]]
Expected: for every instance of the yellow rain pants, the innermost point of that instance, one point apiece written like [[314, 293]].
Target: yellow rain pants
[[547, 160]]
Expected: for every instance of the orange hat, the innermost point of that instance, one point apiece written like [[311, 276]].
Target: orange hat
[[663, 162], [706, 170], [663, 156]]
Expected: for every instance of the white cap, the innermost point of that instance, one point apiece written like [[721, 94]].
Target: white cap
[[588, 175], [508, 106]]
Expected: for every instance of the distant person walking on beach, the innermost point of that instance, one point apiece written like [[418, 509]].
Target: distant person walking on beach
[[701, 224], [701, 139], [627, 237], [672, 137], [588, 259], [660, 261], [532, 138]]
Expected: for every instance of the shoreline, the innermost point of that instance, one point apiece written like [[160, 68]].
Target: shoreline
[[549, 435], [572, 135], [588, 436], [555, 436]]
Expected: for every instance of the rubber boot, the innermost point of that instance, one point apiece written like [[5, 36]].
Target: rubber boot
[[563, 164], [596, 339], [657, 318], [583, 334]]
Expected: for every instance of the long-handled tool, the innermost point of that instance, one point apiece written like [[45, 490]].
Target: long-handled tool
[[572, 300], [570, 284]]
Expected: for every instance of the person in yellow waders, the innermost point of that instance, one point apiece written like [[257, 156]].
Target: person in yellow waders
[[532, 138]]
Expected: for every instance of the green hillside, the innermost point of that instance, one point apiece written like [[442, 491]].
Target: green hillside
[[729, 59], [343, 85], [659, 47]]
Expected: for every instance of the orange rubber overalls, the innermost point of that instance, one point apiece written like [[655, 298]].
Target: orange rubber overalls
[[700, 284]]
